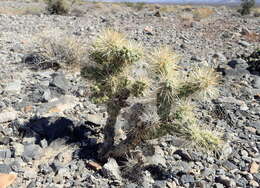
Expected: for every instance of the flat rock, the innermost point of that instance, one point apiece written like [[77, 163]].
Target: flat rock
[[8, 115], [32, 151], [4, 154], [111, 170], [58, 105], [18, 149], [14, 87], [254, 167], [4, 168]]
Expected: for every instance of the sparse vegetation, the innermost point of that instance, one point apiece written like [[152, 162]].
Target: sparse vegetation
[[113, 54], [253, 61], [55, 52], [202, 13], [246, 6], [60, 7]]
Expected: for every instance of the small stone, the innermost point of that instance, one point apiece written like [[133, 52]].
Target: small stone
[[111, 169], [60, 81], [5, 168], [32, 151], [47, 95], [256, 83], [6, 116], [254, 167], [96, 118], [186, 178], [18, 149], [64, 172], [229, 166], [58, 105], [14, 87], [157, 158], [4, 154], [254, 183], [171, 184], [226, 181], [148, 30], [94, 165], [250, 129], [44, 143], [184, 154], [45, 169], [244, 43], [226, 151], [30, 174], [244, 107], [218, 185], [4, 140]]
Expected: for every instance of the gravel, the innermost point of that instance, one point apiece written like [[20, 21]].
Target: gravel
[[50, 130]]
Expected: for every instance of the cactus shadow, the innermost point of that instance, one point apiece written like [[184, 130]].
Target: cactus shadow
[[63, 131]]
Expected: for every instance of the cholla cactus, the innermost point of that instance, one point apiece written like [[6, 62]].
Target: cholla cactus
[[113, 54], [202, 82], [174, 94], [164, 66], [173, 114]]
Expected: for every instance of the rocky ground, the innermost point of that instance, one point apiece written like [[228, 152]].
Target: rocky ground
[[49, 129]]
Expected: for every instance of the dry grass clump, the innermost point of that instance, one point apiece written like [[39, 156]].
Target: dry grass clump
[[202, 13], [33, 10], [56, 52]]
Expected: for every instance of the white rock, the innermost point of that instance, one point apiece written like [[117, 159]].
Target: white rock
[[14, 87], [8, 116]]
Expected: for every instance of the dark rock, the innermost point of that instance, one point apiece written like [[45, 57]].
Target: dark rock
[[45, 169], [228, 165], [184, 154], [225, 181], [32, 151], [157, 14], [5, 169], [60, 82]]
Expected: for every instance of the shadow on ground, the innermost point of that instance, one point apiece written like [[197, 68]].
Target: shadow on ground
[[65, 131]]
